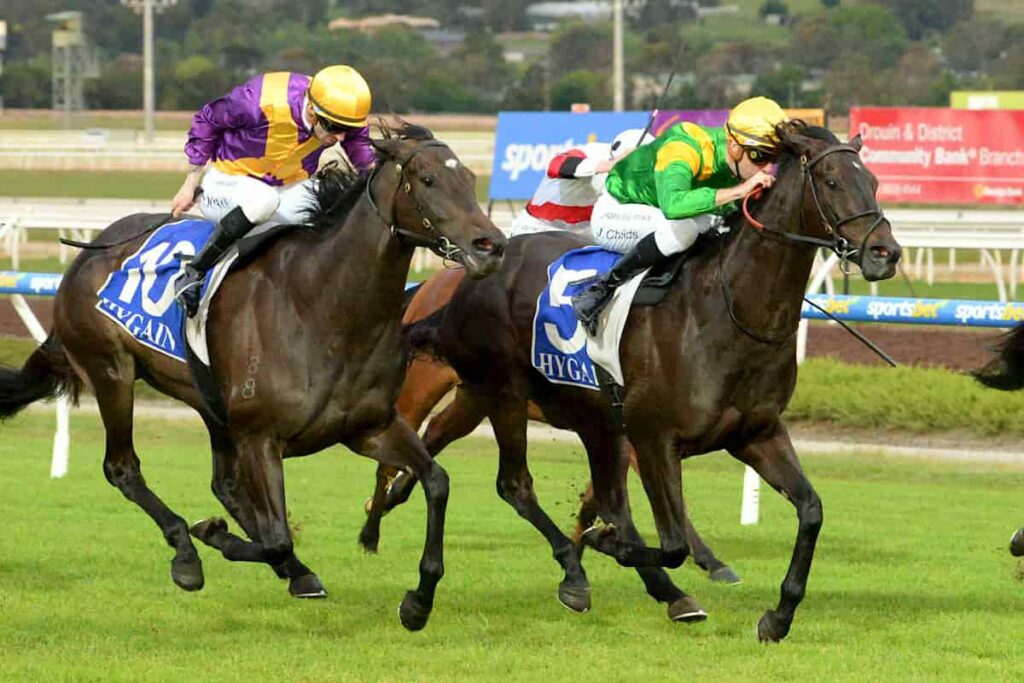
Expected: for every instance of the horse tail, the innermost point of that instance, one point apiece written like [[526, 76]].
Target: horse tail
[[46, 374], [1006, 370], [422, 338]]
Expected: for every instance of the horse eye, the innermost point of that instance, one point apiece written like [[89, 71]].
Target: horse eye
[[428, 180], [832, 182]]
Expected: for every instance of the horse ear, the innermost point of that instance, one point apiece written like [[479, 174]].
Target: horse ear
[[857, 142]]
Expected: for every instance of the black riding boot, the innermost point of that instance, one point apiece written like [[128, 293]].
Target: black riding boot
[[589, 303], [228, 231]]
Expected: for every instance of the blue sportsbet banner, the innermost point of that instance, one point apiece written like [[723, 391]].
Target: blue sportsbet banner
[[527, 140], [916, 311]]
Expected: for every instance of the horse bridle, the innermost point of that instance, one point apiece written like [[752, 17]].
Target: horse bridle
[[439, 244], [836, 242]]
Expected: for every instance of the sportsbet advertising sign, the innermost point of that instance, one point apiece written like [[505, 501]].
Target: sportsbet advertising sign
[[943, 156], [526, 141]]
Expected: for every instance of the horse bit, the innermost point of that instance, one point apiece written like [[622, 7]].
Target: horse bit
[[440, 244]]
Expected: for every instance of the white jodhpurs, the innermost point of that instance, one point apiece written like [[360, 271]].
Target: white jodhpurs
[[618, 227], [525, 224], [264, 205]]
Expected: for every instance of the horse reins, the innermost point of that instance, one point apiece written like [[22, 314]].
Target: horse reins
[[837, 244], [439, 244]]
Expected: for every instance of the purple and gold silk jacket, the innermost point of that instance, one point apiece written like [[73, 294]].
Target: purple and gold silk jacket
[[258, 129]]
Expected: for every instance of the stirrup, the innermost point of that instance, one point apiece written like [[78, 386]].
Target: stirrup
[[187, 291], [588, 304]]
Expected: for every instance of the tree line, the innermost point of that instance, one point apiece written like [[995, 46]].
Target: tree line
[[885, 52]]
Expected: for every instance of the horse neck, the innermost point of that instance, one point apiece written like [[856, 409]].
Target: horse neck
[[767, 277], [359, 268]]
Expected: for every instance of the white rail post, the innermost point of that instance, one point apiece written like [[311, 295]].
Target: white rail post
[[750, 512], [62, 438]]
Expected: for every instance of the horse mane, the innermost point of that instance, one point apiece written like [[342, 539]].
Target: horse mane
[[339, 185]]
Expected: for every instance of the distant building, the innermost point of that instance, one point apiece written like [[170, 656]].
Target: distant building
[[381, 20]]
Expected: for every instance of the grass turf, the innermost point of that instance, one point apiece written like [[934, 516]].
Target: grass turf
[[912, 578]]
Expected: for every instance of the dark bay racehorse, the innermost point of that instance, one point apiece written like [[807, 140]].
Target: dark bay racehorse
[[712, 367], [305, 345], [427, 381], [1006, 372]]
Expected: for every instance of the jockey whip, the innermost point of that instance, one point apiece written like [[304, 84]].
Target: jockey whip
[[657, 108]]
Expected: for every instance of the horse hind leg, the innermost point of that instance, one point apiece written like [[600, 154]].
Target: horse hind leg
[[302, 582], [115, 396]]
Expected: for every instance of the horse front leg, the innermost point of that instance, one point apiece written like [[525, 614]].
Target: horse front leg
[[259, 500], [610, 458], [703, 555], [397, 445], [227, 487], [459, 418], [773, 457]]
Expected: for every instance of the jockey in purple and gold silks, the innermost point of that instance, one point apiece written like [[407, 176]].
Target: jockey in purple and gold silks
[[260, 146], [661, 197]]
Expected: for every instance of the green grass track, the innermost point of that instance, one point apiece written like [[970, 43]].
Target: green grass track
[[912, 579]]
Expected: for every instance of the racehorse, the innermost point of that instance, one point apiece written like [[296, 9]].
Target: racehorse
[[711, 367], [1006, 373], [427, 382], [305, 346]]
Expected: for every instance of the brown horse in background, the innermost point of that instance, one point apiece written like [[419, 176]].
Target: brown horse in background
[[427, 381], [711, 368], [305, 345], [1006, 373]]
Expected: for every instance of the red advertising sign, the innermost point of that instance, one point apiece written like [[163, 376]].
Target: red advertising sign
[[943, 156]]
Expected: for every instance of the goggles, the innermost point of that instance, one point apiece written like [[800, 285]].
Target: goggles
[[333, 127], [761, 157]]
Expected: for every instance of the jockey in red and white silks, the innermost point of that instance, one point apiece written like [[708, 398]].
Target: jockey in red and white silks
[[565, 197]]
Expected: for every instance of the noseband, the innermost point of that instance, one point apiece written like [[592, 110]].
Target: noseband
[[435, 242]]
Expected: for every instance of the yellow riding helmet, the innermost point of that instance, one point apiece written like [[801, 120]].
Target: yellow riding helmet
[[339, 94], [752, 122]]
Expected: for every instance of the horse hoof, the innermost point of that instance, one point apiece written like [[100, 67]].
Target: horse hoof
[[771, 628], [576, 598], [413, 612], [187, 575], [1017, 543], [369, 540], [726, 575], [686, 610], [207, 529], [307, 587]]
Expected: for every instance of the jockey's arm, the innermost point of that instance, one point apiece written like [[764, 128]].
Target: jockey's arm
[[359, 150], [208, 125], [677, 196]]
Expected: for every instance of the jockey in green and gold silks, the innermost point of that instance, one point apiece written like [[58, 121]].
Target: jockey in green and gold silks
[[662, 196]]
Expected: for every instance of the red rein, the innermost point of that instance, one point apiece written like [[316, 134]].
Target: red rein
[[746, 211]]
